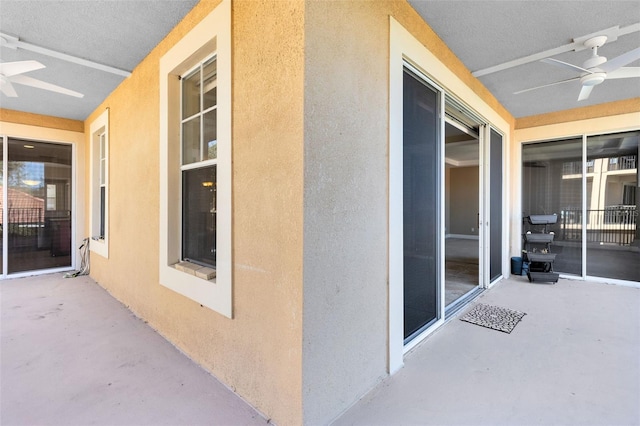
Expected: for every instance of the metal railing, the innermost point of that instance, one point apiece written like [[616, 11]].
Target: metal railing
[[612, 225]]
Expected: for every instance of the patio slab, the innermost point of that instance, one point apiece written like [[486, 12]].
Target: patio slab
[[572, 360], [73, 355]]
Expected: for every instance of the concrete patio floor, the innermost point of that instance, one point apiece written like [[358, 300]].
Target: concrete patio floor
[[574, 359], [73, 355]]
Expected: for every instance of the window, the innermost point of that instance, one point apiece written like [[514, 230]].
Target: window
[[199, 158], [51, 197], [195, 163], [99, 189]]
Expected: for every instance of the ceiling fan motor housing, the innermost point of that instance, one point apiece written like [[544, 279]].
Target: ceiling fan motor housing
[[594, 61], [593, 79]]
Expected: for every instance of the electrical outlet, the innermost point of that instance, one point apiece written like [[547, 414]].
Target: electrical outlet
[[473, 229]]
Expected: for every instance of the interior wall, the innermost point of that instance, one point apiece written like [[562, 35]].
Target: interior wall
[[464, 196], [447, 199], [53, 129], [258, 352]]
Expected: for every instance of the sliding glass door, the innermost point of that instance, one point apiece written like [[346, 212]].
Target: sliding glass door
[[591, 183], [421, 206], [613, 203], [36, 206], [494, 214]]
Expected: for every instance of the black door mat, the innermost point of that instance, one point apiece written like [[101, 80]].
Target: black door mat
[[493, 317]]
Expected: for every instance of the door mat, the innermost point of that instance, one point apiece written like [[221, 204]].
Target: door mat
[[493, 317]]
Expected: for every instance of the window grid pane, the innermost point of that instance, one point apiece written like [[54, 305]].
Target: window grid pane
[[191, 141], [199, 216]]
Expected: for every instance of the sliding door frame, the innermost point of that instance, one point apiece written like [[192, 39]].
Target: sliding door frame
[[406, 49], [4, 140]]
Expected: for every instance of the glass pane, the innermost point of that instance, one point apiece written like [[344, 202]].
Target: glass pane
[[612, 206], [495, 207], [210, 139], [462, 203], [103, 171], [191, 94], [191, 141], [102, 146], [552, 183], [210, 77], [421, 183], [199, 215], [39, 238], [103, 192]]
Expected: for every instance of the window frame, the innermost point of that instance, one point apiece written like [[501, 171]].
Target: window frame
[[211, 36], [202, 162], [99, 134]]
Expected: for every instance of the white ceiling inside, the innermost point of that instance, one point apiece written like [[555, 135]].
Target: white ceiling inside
[[481, 33]]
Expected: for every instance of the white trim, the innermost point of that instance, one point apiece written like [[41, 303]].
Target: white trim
[[212, 34], [404, 47], [5, 204], [76, 187], [99, 126], [396, 268]]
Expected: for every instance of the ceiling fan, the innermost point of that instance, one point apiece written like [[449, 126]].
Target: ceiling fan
[[12, 73], [596, 69]]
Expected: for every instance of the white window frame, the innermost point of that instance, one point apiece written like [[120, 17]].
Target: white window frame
[[99, 133], [211, 35], [202, 163]]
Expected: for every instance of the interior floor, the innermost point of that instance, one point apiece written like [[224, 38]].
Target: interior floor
[[461, 268]]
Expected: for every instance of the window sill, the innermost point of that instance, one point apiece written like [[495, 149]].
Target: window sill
[[202, 272]]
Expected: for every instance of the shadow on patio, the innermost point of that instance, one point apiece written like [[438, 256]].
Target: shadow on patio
[[71, 354]]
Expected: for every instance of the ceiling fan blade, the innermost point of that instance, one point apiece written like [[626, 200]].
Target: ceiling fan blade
[[9, 69], [585, 92], [565, 65], [547, 85], [7, 88], [28, 81], [626, 72], [621, 61]]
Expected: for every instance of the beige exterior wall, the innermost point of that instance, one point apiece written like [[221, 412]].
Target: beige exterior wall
[[258, 352], [53, 129], [310, 201], [346, 282]]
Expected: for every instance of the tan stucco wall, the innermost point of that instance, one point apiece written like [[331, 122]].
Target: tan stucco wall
[[346, 193], [258, 353], [44, 121]]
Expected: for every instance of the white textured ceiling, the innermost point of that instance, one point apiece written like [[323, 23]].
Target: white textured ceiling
[[116, 33], [488, 33], [120, 33]]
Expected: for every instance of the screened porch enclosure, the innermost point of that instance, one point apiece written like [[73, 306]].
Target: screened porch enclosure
[[595, 197], [35, 202]]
